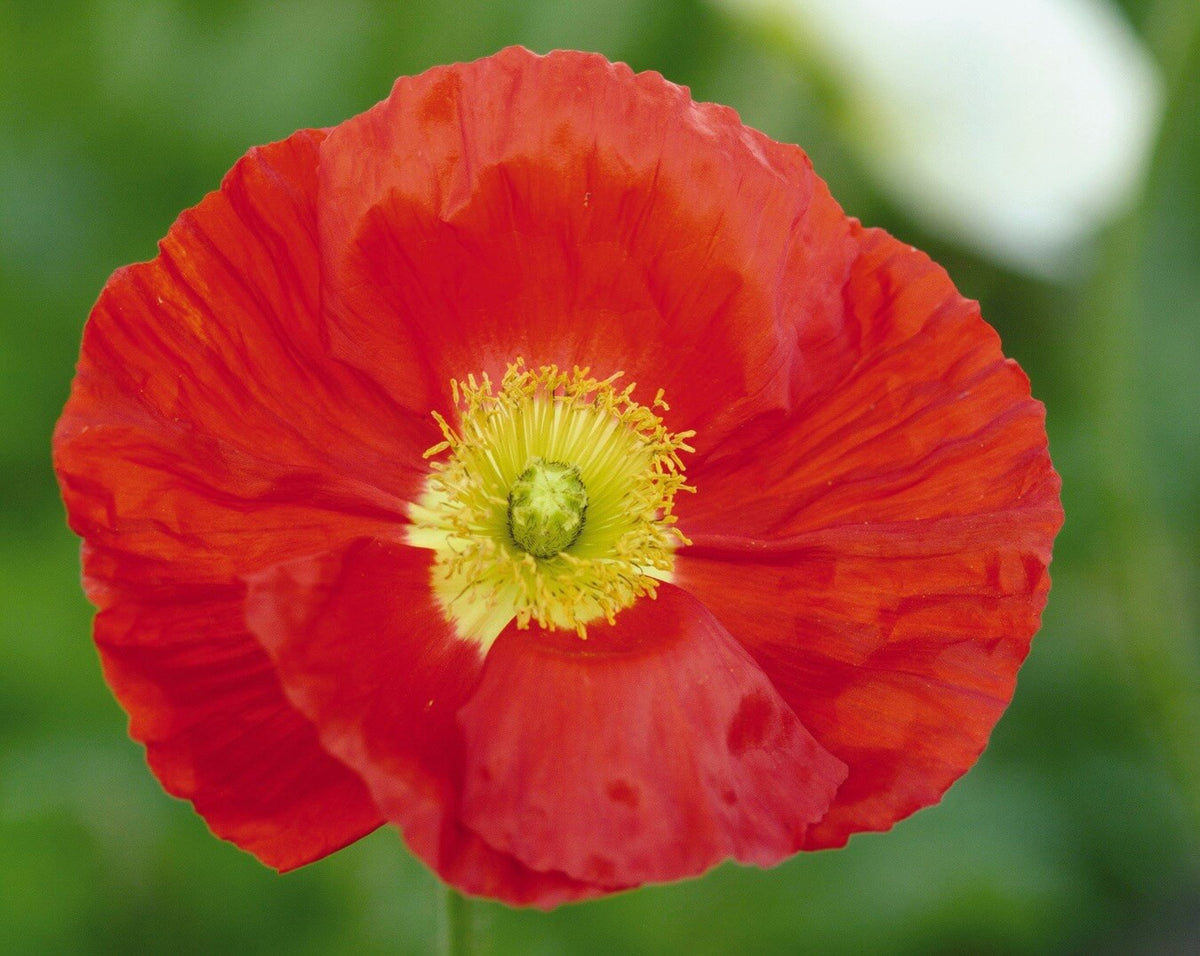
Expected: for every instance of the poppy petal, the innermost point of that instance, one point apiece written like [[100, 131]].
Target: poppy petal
[[161, 509], [362, 649], [207, 427], [204, 699], [206, 433], [652, 750], [610, 222], [886, 562], [910, 412], [897, 646]]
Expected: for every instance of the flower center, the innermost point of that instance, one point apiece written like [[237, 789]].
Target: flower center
[[553, 505], [546, 508]]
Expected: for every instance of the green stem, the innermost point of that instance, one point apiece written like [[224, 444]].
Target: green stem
[[457, 929]]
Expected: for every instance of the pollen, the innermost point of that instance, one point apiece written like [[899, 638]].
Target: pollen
[[550, 500]]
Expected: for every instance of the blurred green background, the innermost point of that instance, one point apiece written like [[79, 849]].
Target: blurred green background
[[1079, 830]]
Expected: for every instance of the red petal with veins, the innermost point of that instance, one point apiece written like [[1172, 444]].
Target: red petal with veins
[[920, 417], [608, 221], [562, 768], [363, 650], [652, 750], [208, 431], [205, 700], [207, 434], [899, 652], [886, 559]]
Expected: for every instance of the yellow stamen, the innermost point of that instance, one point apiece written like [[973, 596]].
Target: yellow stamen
[[626, 470]]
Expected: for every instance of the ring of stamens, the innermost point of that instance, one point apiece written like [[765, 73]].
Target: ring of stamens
[[629, 467]]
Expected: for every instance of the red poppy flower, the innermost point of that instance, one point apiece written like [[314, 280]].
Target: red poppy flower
[[380, 529]]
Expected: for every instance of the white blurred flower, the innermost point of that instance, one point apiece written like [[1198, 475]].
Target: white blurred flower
[[1014, 126]]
